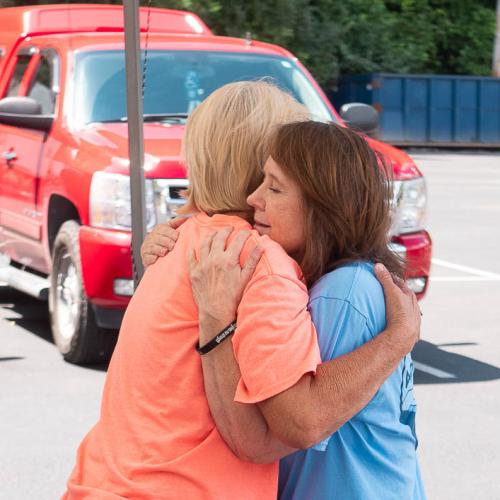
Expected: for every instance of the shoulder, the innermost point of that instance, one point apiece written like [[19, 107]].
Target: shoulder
[[348, 282], [275, 263], [356, 286]]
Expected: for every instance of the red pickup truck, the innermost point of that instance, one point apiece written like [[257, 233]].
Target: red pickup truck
[[65, 212]]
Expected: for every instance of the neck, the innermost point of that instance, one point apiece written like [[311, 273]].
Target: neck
[[244, 214]]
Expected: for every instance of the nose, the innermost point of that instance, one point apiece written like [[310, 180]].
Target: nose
[[256, 200]]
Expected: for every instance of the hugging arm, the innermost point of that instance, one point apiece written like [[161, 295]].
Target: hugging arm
[[315, 406], [318, 405], [242, 426]]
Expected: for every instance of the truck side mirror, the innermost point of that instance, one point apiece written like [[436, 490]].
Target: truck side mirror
[[24, 112], [361, 117]]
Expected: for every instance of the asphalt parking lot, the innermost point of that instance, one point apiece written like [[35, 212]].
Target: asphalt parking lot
[[46, 405], [458, 360]]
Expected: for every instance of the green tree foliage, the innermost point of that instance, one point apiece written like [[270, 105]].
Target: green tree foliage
[[463, 32], [356, 36], [359, 36]]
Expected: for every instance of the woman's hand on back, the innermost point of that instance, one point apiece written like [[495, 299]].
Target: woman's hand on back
[[402, 310], [160, 240], [218, 280]]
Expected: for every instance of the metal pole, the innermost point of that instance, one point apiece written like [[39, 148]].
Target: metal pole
[[135, 132], [496, 48]]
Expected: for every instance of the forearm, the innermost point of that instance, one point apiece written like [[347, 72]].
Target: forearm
[[345, 385], [319, 405], [242, 426]]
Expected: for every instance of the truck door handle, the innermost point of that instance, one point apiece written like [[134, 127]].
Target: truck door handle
[[9, 157]]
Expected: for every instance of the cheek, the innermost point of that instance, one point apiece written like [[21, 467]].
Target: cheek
[[289, 231], [297, 224], [298, 227]]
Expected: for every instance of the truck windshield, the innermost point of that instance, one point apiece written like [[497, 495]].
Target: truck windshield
[[177, 81]]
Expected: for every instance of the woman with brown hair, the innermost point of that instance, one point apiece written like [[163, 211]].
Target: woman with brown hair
[[325, 198]]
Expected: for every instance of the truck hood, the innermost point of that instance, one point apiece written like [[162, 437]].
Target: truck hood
[[107, 146], [404, 167]]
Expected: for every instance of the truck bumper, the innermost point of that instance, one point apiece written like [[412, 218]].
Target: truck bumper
[[105, 257], [418, 259]]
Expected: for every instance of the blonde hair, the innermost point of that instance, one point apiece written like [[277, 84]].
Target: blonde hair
[[227, 142]]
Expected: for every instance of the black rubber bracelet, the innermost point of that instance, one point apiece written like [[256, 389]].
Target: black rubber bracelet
[[223, 335]]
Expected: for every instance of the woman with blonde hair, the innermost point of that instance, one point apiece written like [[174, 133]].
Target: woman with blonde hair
[[156, 437]]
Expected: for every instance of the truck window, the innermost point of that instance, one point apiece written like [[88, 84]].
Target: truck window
[[177, 81], [40, 87], [15, 81]]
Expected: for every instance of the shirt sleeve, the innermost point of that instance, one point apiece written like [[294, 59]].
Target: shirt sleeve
[[275, 340], [341, 329]]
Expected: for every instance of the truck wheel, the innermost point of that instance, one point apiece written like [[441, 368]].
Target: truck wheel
[[74, 328]]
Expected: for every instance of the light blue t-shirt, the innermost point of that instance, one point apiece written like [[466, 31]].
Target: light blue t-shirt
[[373, 455]]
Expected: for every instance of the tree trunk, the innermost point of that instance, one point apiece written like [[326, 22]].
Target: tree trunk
[[496, 49]]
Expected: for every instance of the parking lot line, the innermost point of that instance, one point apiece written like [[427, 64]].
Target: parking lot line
[[465, 269], [462, 278], [432, 371]]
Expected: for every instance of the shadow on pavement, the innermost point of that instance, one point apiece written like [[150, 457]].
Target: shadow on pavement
[[440, 367], [31, 315], [26, 312], [101, 367], [435, 366]]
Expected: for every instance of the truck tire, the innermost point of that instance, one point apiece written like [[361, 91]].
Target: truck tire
[[72, 319]]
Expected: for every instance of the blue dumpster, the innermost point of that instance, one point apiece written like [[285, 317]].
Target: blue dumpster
[[428, 109]]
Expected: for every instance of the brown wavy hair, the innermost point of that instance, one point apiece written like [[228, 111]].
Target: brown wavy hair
[[347, 195]]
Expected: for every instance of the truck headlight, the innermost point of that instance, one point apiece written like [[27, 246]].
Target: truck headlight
[[168, 197], [110, 205], [409, 205]]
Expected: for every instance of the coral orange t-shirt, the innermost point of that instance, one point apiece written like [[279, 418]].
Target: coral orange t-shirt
[[155, 438]]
